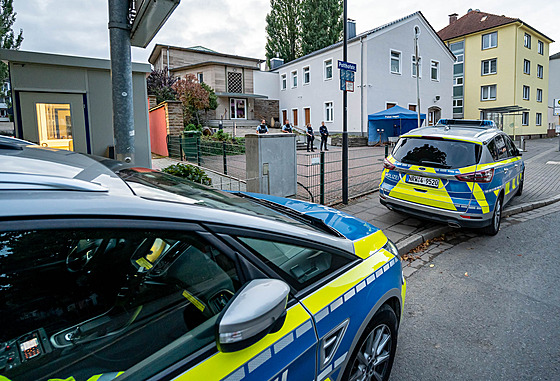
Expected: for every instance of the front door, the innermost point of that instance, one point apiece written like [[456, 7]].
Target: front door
[[307, 112], [55, 120]]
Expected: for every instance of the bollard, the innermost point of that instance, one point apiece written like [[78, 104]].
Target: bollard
[[225, 159], [386, 150], [198, 156], [523, 143]]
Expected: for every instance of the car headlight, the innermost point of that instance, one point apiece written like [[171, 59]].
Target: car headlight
[[392, 248]]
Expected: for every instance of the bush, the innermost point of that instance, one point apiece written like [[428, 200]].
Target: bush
[[192, 127], [189, 172]]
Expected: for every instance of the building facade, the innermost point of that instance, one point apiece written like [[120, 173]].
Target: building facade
[[309, 87], [230, 76], [501, 71], [553, 90]]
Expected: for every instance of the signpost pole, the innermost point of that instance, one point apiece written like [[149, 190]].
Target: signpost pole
[[417, 63], [344, 112]]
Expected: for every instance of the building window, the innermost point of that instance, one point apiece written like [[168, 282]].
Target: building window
[[457, 81], [457, 106], [490, 66], [489, 40], [488, 93], [539, 119], [389, 105], [284, 81], [527, 41], [238, 108], [458, 91], [526, 92], [526, 67], [328, 69], [525, 118], [329, 112], [200, 77], [539, 95], [540, 71], [294, 78], [235, 82], [412, 107], [306, 76], [395, 62], [434, 73], [540, 47]]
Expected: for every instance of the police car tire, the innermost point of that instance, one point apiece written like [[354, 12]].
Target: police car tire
[[520, 187], [492, 229], [385, 318]]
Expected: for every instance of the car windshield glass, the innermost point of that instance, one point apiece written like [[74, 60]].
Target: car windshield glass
[[437, 153], [164, 187]]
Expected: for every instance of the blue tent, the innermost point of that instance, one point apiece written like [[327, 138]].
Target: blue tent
[[391, 122]]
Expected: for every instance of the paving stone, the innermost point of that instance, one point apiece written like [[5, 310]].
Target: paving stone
[[404, 229], [408, 271]]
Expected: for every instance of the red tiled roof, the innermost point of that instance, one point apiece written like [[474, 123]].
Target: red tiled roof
[[472, 22]]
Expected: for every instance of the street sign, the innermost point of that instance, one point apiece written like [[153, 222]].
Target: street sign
[[346, 79], [557, 107], [149, 18], [347, 65], [350, 86]]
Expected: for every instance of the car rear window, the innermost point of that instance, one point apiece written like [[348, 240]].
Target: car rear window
[[437, 153]]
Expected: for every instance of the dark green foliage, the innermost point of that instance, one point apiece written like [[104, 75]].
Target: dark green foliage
[[161, 85], [8, 40], [321, 24], [212, 97], [283, 30], [189, 172], [192, 127]]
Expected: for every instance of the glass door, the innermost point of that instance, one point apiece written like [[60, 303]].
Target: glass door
[[55, 125]]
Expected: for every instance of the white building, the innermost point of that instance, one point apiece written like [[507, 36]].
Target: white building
[[309, 87], [553, 89]]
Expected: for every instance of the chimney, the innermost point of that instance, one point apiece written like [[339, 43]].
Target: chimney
[[453, 18], [276, 62], [350, 29]]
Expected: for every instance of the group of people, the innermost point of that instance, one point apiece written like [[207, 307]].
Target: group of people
[[287, 128]]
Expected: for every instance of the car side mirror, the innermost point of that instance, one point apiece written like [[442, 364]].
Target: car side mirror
[[257, 309]]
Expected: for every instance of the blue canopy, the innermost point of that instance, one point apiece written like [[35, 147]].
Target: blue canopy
[[391, 122]]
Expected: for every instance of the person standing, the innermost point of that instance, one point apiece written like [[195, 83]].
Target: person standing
[[324, 135], [262, 128], [310, 137], [287, 128]]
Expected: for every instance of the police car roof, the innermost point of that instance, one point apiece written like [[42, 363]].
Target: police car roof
[[471, 130]]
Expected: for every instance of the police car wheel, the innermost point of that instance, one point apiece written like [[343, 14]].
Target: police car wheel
[[520, 187], [374, 354], [494, 226]]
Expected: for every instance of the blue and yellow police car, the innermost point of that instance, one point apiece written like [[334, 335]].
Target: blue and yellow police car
[[111, 271], [459, 172]]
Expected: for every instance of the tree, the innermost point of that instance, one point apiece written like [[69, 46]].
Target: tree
[[195, 97], [283, 28], [322, 24], [160, 84], [8, 40]]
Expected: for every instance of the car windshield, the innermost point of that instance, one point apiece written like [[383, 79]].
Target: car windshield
[[437, 153], [164, 187]]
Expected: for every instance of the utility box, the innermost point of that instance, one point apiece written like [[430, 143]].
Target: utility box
[[271, 164]]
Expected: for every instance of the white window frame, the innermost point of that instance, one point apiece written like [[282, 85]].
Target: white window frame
[[539, 95], [538, 119], [411, 104], [432, 62], [413, 59], [457, 100], [489, 98], [392, 102], [490, 46], [528, 89], [294, 78], [283, 81], [526, 67], [326, 110], [540, 47], [308, 75], [458, 84], [200, 77], [246, 110], [540, 71], [391, 60], [527, 40], [325, 66], [525, 118], [490, 72]]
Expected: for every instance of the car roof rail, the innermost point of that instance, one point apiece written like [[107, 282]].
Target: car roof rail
[[472, 123], [10, 145], [24, 181]]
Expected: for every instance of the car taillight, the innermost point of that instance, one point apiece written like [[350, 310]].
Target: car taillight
[[484, 176], [387, 164]]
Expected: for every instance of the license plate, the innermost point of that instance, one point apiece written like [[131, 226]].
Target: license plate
[[426, 181]]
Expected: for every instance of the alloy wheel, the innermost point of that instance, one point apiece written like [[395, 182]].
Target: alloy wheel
[[372, 360]]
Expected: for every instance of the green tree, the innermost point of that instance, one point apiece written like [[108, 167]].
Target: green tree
[[195, 96], [160, 84], [321, 24], [283, 29], [8, 40]]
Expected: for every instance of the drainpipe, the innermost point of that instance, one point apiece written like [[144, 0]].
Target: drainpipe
[[167, 62], [515, 77], [362, 85]]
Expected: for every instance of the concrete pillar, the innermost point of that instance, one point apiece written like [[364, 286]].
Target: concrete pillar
[[271, 164]]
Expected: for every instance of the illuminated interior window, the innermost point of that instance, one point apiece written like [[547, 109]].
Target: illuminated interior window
[[54, 121]]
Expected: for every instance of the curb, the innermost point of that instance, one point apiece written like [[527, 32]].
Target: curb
[[530, 206]]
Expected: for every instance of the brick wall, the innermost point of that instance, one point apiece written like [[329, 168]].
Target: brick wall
[[174, 116], [152, 101], [267, 109]]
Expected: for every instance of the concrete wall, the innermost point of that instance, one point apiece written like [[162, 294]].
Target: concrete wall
[[267, 83]]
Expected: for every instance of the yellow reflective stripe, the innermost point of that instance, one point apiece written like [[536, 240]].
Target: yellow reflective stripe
[[383, 175], [222, 364], [507, 188], [403, 293], [368, 245], [391, 159], [443, 137], [338, 287], [438, 198], [468, 169], [194, 300], [426, 169], [496, 192], [479, 195]]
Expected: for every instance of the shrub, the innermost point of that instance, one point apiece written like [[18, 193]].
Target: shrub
[[189, 172]]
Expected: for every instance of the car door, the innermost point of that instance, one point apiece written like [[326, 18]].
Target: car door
[[516, 165], [502, 169]]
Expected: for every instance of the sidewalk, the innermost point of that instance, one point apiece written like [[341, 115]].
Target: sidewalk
[[541, 187]]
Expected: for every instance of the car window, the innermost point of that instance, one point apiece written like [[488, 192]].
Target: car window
[[83, 303], [437, 153], [501, 147], [493, 149], [301, 266], [512, 149]]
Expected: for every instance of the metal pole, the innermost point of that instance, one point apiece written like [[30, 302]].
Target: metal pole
[[121, 80], [225, 157], [416, 33], [322, 179], [344, 112]]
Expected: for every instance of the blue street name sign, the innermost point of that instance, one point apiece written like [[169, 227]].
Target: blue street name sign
[[347, 65]]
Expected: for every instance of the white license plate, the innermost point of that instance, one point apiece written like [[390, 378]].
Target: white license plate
[[426, 181]]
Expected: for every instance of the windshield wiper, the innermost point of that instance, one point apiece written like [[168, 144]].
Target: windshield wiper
[[435, 163], [302, 217]]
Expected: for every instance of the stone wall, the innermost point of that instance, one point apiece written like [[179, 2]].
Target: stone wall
[[174, 116], [152, 101], [267, 109]]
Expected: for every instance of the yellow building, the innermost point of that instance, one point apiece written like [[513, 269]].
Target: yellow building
[[501, 72]]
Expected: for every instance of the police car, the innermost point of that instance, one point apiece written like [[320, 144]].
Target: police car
[[459, 172], [108, 270]]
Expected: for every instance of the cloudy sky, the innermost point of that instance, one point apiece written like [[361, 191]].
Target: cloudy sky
[[79, 27]]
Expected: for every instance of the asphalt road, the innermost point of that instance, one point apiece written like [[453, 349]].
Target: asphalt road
[[489, 309]]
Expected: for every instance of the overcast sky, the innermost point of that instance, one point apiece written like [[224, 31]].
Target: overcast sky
[[79, 27]]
